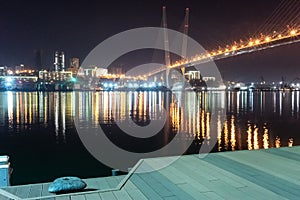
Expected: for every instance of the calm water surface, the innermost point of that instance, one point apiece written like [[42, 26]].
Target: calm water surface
[[38, 133]]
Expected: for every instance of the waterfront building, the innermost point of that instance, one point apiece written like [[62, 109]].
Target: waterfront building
[[19, 68], [59, 61], [55, 76], [3, 71], [74, 66]]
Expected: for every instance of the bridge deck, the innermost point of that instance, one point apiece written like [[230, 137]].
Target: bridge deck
[[261, 174]]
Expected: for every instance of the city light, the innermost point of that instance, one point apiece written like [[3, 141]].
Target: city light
[[267, 39], [8, 80], [293, 32]]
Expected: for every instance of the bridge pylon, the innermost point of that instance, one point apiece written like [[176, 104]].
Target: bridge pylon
[[185, 37], [167, 47]]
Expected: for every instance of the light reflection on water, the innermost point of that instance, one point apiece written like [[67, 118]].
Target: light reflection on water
[[249, 120], [253, 120]]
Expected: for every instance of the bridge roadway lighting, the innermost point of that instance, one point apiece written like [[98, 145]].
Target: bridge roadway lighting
[[257, 41], [267, 39], [293, 32]]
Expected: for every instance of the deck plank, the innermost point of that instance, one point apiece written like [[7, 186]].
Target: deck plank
[[136, 194], [265, 180], [93, 196], [35, 190], [147, 190], [122, 194], [23, 191], [277, 166], [78, 197], [63, 198], [261, 174], [107, 195]]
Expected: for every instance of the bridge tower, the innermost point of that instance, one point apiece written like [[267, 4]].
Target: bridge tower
[[167, 48], [185, 37]]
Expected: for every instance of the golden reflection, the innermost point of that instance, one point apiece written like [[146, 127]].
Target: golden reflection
[[30, 104], [290, 143], [190, 114], [232, 136], [277, 142], [17, 108], [249, 140], [266, 138], [123, 108], [105, 107], [96, 108], [25, 108], [255, 138], [203, 124], [140, 106], [226, 132], [208, 126], [219, 126]]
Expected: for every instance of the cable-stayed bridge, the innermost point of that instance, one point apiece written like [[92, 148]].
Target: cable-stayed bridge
[[280, 28]]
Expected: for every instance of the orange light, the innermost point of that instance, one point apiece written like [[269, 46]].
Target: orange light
[[226, 50], [219, 51], [257, 41], [250, 43], [293, 32], [280, 36], [267, 39], [233, 48]]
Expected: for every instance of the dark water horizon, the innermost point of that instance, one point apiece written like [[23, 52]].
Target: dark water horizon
[[37, 129]]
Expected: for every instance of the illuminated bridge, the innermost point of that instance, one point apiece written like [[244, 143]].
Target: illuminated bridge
[[286, 15]]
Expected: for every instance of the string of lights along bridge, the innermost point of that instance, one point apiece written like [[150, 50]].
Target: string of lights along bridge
[[280, 28]]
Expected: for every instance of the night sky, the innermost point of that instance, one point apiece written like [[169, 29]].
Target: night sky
[[77, 27]]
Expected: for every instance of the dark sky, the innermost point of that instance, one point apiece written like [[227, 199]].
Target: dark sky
[[76, 27]]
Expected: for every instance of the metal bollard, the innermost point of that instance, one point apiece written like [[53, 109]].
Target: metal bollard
[[115, 172], [5, 171]]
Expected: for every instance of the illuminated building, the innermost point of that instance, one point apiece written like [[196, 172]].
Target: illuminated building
[[74, 65], [193, 75], [208, 78], [59, 61], [93, 71], [21, 67], [55, 76], [3, 71]]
